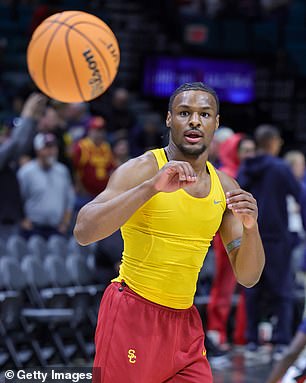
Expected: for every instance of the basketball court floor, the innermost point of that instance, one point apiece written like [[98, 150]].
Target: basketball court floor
[[240, 371]]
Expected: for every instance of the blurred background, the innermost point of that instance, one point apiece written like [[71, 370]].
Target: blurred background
[[252, 52]]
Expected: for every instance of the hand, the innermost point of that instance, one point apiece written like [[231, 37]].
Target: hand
[[34, 106], [26, 224], [62, 228], [173, 176], [244, 206]]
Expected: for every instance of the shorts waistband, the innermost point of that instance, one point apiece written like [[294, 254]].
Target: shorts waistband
[[123, 287]]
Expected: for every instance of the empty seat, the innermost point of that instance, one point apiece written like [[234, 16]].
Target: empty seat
[[57, 244], [37, 246], [16, 246]]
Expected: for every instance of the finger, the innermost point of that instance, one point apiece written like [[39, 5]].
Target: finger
[[235, 192], [241, 197], [245, 211], [190, 174], [184, 173], [242, 205]]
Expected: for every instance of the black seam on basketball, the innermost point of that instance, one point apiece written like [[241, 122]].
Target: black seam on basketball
[[105, 29], [48, 48], [109, 32], [72, 65], [32, 41], [94, 45], [98, 51], [51, 22]]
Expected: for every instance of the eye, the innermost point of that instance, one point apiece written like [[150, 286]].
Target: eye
[[205, 114], [184, 113]]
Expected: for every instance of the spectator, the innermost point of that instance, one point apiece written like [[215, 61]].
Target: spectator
[[53, 122], [76, 115], [224, 283], [270, 180], [47, 191], [13, 144], [148, 136], [121, 151], [296, 161], [222, 134], [93, 162], [119, 116]]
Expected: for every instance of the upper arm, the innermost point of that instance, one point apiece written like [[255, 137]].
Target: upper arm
[[129, 175]]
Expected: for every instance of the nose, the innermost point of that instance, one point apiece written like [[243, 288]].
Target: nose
[[194, 120]]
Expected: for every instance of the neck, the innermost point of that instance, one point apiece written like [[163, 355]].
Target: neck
[[43, 164], [197, 162]]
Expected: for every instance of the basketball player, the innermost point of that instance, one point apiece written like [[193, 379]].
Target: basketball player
[[169, 203]]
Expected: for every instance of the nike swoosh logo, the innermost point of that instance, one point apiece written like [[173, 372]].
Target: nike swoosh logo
[[216, 202]]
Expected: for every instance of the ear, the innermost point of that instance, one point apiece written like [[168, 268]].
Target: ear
[[168, 119], [217, 121]]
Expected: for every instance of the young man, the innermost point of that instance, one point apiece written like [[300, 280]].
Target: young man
[[169, 203]]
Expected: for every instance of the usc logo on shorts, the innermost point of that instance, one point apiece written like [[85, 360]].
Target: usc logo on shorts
[[132, 356]]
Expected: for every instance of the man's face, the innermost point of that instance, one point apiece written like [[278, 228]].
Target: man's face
[[48, 155], [49, 121], [97, 135], [193, 121]]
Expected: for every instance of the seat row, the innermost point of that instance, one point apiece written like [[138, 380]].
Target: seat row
[[48, 310]]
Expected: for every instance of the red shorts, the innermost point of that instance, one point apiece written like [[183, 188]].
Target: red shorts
[[138, 341]]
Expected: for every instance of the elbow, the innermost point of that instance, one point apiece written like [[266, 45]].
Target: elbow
[[249, 282], [80, 236], [80, 231]]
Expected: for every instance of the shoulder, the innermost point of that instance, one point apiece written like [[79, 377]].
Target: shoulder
[[228, 183], [134, 171], [61, 168], [27, 169], [144, 164]]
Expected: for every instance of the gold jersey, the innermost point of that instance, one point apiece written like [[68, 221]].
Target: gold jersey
[[166, 241]]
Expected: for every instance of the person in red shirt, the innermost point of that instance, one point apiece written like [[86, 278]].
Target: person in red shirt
[[93, 162], [232, 151]]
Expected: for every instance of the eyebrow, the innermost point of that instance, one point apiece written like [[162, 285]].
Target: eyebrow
[[189, 106]]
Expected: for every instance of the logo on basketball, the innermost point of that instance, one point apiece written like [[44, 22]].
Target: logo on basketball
[[132, 356], [96, 80]]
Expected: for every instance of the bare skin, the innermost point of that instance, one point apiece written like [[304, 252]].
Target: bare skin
[[295, 348], [192, 123]]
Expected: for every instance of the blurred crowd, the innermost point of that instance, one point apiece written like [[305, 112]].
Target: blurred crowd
[[55, 157]]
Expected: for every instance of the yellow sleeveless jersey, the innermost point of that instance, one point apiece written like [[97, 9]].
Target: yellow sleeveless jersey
[[166, 241]]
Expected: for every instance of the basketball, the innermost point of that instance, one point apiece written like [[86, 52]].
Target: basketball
[[73, 56]]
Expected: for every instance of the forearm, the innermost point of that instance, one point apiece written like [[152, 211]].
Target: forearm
[[250, 258], [98, 220], [23, 134]]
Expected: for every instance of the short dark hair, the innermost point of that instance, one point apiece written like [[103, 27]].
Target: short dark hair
[[194, 86], [264, 133]]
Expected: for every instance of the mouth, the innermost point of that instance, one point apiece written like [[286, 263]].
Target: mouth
[[193, 136]]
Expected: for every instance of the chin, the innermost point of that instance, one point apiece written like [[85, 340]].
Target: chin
[[193, 151]]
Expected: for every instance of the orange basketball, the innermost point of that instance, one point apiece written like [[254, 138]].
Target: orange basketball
[[73, 56]]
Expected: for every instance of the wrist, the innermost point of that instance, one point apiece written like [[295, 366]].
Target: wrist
[[250, 229], [151, 187]]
